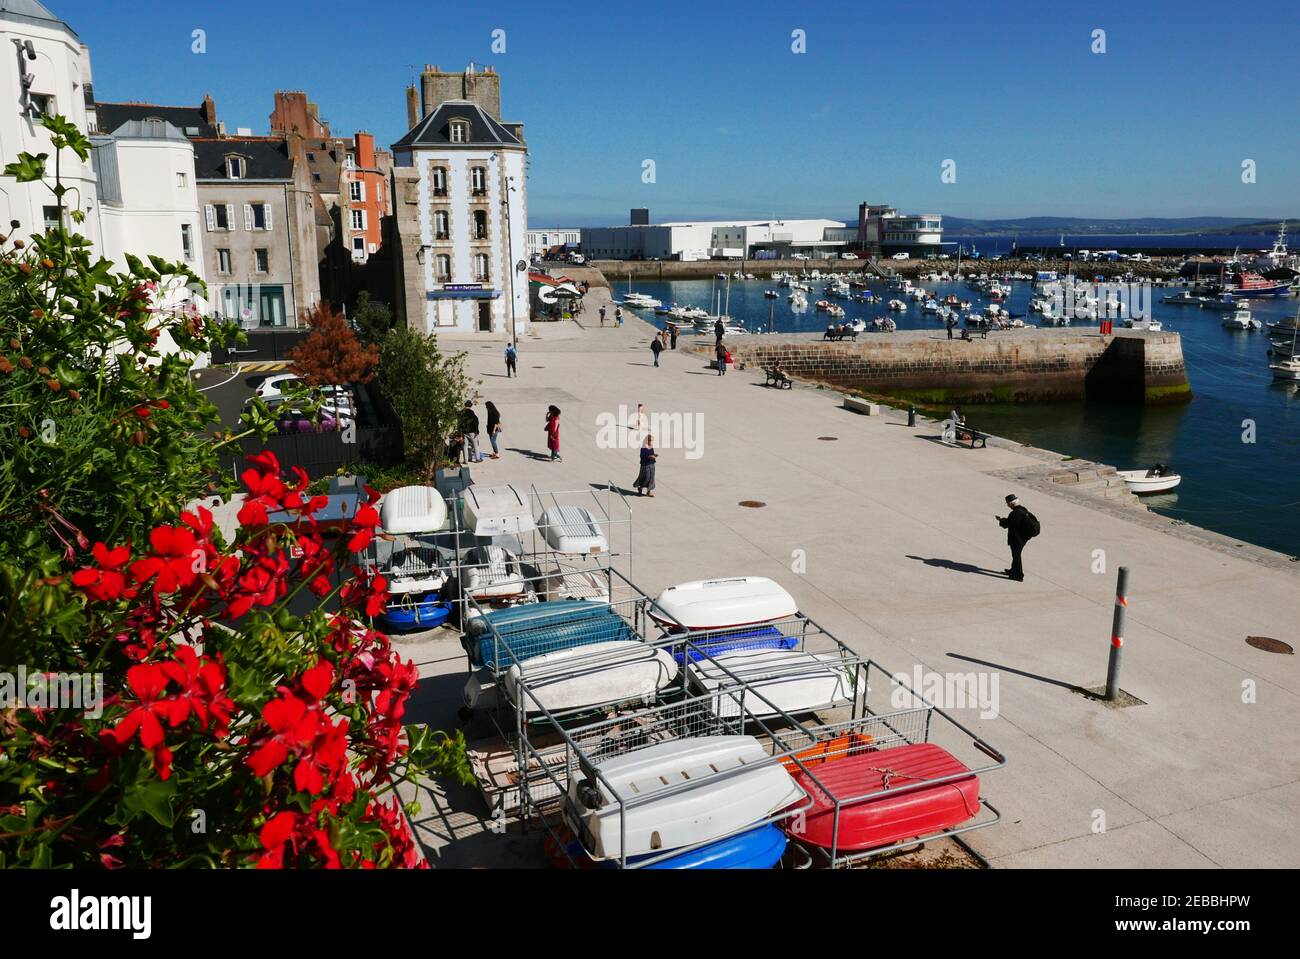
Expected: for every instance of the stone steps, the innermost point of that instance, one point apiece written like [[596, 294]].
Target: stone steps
[[1094, 479]]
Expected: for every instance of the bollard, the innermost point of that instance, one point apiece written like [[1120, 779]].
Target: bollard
[[1117, 636], [911, 415]]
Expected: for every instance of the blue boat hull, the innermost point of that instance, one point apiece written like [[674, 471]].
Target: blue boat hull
[[768, 637], [424, 613], [759, 848]]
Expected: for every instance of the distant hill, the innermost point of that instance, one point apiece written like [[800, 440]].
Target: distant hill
[[1047, 225]]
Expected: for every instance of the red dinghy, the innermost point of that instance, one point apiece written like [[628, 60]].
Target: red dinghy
[[894, 815]]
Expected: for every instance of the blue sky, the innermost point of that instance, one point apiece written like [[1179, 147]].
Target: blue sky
[[740, 125]]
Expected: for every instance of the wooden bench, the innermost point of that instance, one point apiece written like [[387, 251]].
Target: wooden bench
[[965, 432], [846, 335], [777, 378]]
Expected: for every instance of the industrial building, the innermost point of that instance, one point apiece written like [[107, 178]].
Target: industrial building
[[711, 239]]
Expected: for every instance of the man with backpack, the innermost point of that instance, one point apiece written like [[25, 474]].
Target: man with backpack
[[1021, 526]]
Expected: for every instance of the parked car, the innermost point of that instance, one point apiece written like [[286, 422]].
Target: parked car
[[901, 256], [848, 256], [799, 256], [275, 387]]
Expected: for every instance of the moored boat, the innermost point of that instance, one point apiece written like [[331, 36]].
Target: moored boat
[[1157, 479]]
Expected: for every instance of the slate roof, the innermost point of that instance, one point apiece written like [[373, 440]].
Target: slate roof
[[434, 129], [142, 130], [110, 116], [30, 11], [265, 158]]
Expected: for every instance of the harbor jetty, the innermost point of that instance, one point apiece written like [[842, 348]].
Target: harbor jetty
[[1158, 269], [1022, 365]]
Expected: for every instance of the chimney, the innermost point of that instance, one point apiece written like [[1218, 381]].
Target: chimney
[[412, 107], [209, 109]]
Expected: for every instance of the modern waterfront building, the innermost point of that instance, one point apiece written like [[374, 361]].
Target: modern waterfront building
[[882, 230], [461, 201], [46, 70], [704, 239], [542, 241]]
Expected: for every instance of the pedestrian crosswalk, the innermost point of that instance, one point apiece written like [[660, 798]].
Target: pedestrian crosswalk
[[267, 366]]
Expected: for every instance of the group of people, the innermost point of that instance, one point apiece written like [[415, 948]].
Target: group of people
[[838, 331], [465, 445], [663, 340], [618, 316]]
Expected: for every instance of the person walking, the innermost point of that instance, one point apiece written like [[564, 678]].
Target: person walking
[[512, 358], [720, 352], [673, 334], [656, 347], [553, 432], [718, 330], [602, 316], [469, 433], [618, 316], [1021, 526], [645, 479], [493, 427]]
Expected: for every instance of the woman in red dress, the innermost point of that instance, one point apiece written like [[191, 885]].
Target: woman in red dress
[[553, 432]]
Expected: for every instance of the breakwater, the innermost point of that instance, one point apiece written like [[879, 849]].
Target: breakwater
[[1017, 366], [617, 271]]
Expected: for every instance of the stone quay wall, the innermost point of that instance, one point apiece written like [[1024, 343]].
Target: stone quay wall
[[1018, 366]]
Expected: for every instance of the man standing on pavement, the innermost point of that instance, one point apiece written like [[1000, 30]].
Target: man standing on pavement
[[1021, 526], [950, 324], [720, 352], [718, 330], [469, 432], [618, 316], [602, 316], [656, 347], [512, 357]]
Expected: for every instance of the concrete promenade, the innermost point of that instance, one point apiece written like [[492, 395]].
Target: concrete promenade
[[903, 563]]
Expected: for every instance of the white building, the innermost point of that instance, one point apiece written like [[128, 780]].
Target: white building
[[461, 198], [539, 241], [45, 69], [711, 238], [149, 202]]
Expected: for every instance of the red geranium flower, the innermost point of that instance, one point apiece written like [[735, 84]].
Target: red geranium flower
[[174, 560], [104, 582]]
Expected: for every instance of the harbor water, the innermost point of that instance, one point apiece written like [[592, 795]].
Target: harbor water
[[1236, 444]]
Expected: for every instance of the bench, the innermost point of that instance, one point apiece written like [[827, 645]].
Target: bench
[[777, 378], [865, 407], [965, 432], [846, 335]]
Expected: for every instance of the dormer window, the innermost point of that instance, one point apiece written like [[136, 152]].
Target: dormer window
[[458, 131], [235, 168]]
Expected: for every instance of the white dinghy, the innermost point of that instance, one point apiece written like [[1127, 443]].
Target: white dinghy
[[1157, 479], [497, 511], [412, 509], [597, 674], [677, 793], [789, 681], [492, 573], [572, 529], [721, 603]]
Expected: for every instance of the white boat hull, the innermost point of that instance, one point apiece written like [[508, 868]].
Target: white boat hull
[[1139, 482], [720, 603], [572, 529], [686, 792], [497, 511], [591, 675], [412, 509], [789, 681]]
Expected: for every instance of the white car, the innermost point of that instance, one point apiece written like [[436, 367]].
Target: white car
[[799, 256], [273, 387], [848, 256], [901, 256]]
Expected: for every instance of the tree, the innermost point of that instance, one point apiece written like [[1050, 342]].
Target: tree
[[373, 319], [428, 389], [331, 355]]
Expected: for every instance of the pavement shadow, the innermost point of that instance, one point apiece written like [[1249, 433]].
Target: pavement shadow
[[1020, 672], [531, 454], [958, 567], [602, 487]]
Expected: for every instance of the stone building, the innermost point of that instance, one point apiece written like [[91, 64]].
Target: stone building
[[461, 209]]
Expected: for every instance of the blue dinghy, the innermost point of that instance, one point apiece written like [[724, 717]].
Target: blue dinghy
[[766, 637], [758, 848], [423, 612], [538, 628]]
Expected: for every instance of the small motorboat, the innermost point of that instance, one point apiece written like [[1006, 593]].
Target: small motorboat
[[572, 529], [897, 305], [770, 294], [1241, 319], [412, 509], [584, 677], [410, 612], [776, 681], [824, 304], [723, 603], [892, 804], [1157, 479], [732, 784], [492, 574], [1287, 369], [496, 511]]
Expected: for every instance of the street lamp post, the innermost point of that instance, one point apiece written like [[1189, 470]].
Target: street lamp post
[[510, 261]]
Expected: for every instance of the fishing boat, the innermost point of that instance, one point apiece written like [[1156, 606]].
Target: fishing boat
[[876, 798], [930, 306], [757, 848], [1287, 369], [496, 511], [1183, 298], [595, 674], [1240, 319], [776, 681], [897, 305], [723, 603], [572, 529], [1248, 284], [1151, 324], [640, 301], [675, 794], [1156, 479]]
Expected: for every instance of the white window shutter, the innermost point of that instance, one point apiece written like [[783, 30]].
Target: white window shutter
[[363, 219], [210, 216], [362, 184], [248, 216], [230, 216], [267, 210]]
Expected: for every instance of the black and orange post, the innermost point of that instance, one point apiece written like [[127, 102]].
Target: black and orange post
[[1117, 635]]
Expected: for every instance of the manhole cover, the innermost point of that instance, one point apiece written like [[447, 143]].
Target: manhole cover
[[828, 438], [1270, 645], [752, 504]]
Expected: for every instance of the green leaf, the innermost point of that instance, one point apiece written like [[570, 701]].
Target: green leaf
[[67, 134], [155, 799], [28, 168]]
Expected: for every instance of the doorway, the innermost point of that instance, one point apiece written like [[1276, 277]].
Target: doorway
[[485, 316]]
